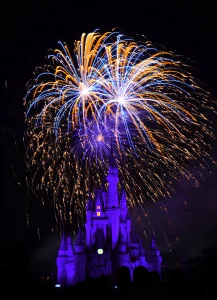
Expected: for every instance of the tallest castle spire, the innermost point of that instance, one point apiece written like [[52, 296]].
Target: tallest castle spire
[[112, 179]]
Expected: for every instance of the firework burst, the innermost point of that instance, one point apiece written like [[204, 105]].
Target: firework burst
[[114, 92]]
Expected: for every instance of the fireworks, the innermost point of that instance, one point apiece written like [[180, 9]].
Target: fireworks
[[114, 92]]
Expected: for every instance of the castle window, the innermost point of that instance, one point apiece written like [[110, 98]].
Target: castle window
[[98, 214], [98, 207]]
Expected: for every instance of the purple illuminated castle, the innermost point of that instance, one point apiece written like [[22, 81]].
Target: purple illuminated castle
[[108, 241]]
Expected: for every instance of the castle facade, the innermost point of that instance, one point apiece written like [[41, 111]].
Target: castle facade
[[108, 240]]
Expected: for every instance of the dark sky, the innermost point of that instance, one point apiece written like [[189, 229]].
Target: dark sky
[[27, 31]]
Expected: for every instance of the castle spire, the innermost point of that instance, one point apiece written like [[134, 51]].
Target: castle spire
[[112, 161], [70, 248], [89, 202], [103, 185], [123, 199], [141, 249], [79, 240], [98, 202], [64, 244], [112, 179], [153, 243]]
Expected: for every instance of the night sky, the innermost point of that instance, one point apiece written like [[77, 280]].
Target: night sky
[[28, 31]]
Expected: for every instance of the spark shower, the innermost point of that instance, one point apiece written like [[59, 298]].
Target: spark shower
[[111, 91]]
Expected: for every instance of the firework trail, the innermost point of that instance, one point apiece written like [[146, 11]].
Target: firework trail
[[114, 92]]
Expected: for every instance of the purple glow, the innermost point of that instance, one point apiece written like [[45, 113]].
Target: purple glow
[[107, 231]]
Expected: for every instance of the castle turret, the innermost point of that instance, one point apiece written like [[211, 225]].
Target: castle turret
[[61, 260], [79, 242], [142, 255], [80, 256], [123, 202], [70, 248], [128, 227], [123, 205], [153, 243], [123, 258], [88, 225], [70, 266], [121, 244], [134, 245], [153, 257], [104, 196], [64, 245]]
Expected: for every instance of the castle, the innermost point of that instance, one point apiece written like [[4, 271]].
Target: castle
[[108, 241]]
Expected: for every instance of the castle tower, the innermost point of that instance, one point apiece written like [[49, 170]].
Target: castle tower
[[112, 179], [123, 205], [61, 260], [153, 257], [70, 266], [90, 204], [80, 256], [142, 255], [123, 202], [123, 258], [134, 243], [128, 227], [121, 244], [104, 196], [153, 243], [79, 242]]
